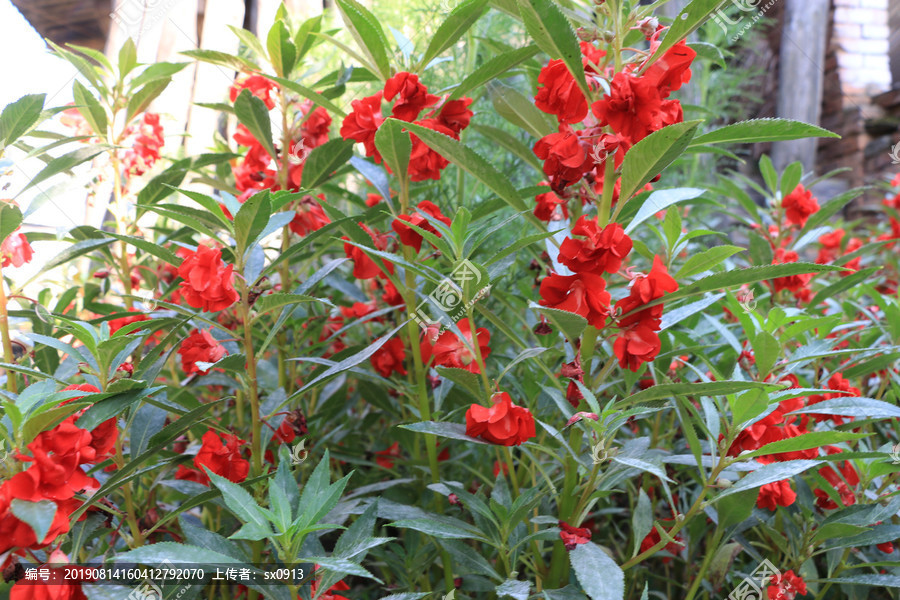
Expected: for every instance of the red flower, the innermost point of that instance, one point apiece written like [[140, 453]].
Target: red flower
[[835, 382], [222, 459], [455, 114], [315, 128], [559, 95], [786, 586], [637, 345], [409, 236], [207, 281], [412, 96], [773, 495], [385, 458], [635, 108], [583, 294], [200, 346], [841, 480], [145, 144], [15, 250], [504, 423], [793, 283], [646, 289], [425, 163], [672, 70], [799, 205], [567, 158], [259, 86], [309, 216], [363, 266], [602, 251], [572, 536], [450, 351], [117, 324], [18, 534], [653, 538], [362, 122], [550, 207], [389, 358]]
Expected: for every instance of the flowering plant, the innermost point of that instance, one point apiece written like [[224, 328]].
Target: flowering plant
[[648, 411]]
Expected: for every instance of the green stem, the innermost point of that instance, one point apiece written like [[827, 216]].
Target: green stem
[[8, 356]]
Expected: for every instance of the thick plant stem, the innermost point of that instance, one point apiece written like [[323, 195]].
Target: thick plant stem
[[609, 185], [8, 357], [121, 227]]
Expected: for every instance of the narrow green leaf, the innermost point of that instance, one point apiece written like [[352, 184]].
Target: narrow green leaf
[[762, 130], [253, 114], [552, 32], [650, 156]]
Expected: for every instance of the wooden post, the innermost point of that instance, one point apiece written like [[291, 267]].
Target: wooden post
[[801, 77]]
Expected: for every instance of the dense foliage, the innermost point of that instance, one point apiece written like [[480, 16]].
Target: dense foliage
[[433, 319]]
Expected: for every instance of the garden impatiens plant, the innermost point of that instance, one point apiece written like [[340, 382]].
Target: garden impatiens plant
[[435, 319]]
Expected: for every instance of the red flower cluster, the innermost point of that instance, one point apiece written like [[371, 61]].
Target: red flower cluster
[[309, 216], [504, 423], [799, 205], [409, 236], [146, 141], [410, 97], [222, 459], [451, 351], [208, 283], [572, 536], [363, 266], [602, 251], [636, 106], [56, 474], [259, 86], [639, 342], [786, 586], [389, 358], [15, 250], [200, 346]]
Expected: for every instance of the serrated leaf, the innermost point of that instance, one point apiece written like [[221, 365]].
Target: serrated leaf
[[492, 69], [37, 515], [551, 31], [762, 130], [369, 35], [711, 388], [324, 160], [769, 474], [706, 260], [571, 324], [659, 200], [456, 431], [63, 163], [20, 116], [597, 573], [395, 146], [140, 101], [89, 107], [454, 25], [282, 51], [253, 114], [650, 156]]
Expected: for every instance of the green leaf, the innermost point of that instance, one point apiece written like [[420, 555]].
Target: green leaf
[[597, 573], [270, 302], [511, 143], [570, 324], [10, 219], [650, 156], [456, 431], [74, 251], [395, 146], [368, 34], [317, 98], [659, 200], [552, 32], [148, 246], [445, 528], [762, 130], [706, 260], [282, 51], [341, 566], [492, 69], [454, 25], [513, 588], [163, 70], [735, 509], [222, 58], [739, 277], [860, 408], [324, 160], [641, 520], [20, 116], [253, 114], [471, 162], [510, 104], [815, 439], [140, 101], [127, 58], [89, 107], [879, 581], [64, 163], [769, 474], [240, 502], [688, 20], [463, 378], [37, 515], [160, 553], [766, 349], [251, 220], [711, 388]]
